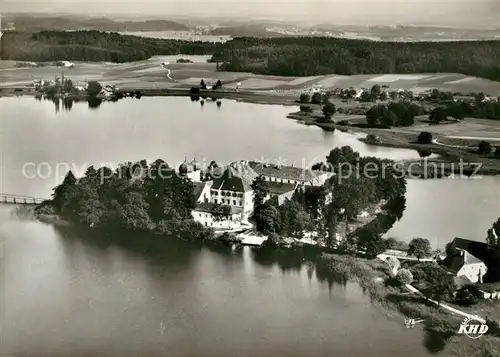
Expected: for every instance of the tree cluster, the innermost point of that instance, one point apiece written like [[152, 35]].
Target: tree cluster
[[135, 197], [434, 281], [341, 199], [400, 113]]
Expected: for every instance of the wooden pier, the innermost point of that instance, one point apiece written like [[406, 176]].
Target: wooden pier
[[20, 199]]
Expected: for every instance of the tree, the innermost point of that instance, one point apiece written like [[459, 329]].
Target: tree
[[420, 248], [68, 86], [134, 213], [260, 191], [316, 98], [484, 148], [266, 219], [404, 114], [438, 115], [293, 219], [218, 84], [394, 95], [493, 235], [388, 120], [374, 115], [195, 90], [325, 99], [366, 97], [329, 110], [438, 284], [339, 155], [203, 85], [305, 109], [304, 98], [93, 88], [375, 91], [424, 138], [404, 276], [372, 243], [384, 96]]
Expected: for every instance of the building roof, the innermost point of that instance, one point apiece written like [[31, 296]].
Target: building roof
[[237, 177], [278, 188], [478, 249], [198, 189], [214, 208], [456, 261], [284, 172]]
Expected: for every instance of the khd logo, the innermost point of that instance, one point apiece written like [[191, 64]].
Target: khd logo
[[473, 327]]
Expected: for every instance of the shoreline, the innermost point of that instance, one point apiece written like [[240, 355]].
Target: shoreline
[[449, 156]]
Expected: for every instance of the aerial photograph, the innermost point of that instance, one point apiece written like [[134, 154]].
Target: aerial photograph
[[230, 178]]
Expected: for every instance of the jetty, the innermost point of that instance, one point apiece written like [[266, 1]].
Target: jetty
[[6, 198]]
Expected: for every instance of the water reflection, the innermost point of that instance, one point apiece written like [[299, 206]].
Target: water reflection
[[66, 103]]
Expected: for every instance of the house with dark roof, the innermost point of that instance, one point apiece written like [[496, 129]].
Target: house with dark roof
[[471, 260], [234, 187]]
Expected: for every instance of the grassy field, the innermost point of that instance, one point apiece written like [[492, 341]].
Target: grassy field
[[150, 74]]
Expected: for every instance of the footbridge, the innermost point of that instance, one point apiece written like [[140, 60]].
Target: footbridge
[[20, 199]]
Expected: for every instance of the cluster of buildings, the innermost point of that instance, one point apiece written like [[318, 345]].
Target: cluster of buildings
[[225, 197]]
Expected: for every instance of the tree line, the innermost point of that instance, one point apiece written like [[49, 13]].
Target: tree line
[[93, 46], [307, 56]]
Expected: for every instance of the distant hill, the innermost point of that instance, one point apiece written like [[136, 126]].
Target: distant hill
[[35, 24], [246, 31]]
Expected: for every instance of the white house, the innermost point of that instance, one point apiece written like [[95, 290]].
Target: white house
[[218, 216], [464, 265], [234, 187], [290, 174], [227, 200]]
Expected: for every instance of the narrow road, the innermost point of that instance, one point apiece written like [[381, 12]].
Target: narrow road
[[169, 71], [435, 141]]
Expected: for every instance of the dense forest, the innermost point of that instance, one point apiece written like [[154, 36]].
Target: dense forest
[[307, 56], [292, 56], [93, 46]]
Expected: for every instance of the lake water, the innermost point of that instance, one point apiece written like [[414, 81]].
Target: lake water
[[180, 35], [63, 294]]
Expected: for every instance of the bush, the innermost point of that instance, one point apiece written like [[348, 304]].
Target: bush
[[468, 295], [329, 109], [484, 148], [305, 109], [404, 276], [424, 138], [316, 98], [304, 98], [195, 90], [94, 88]]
